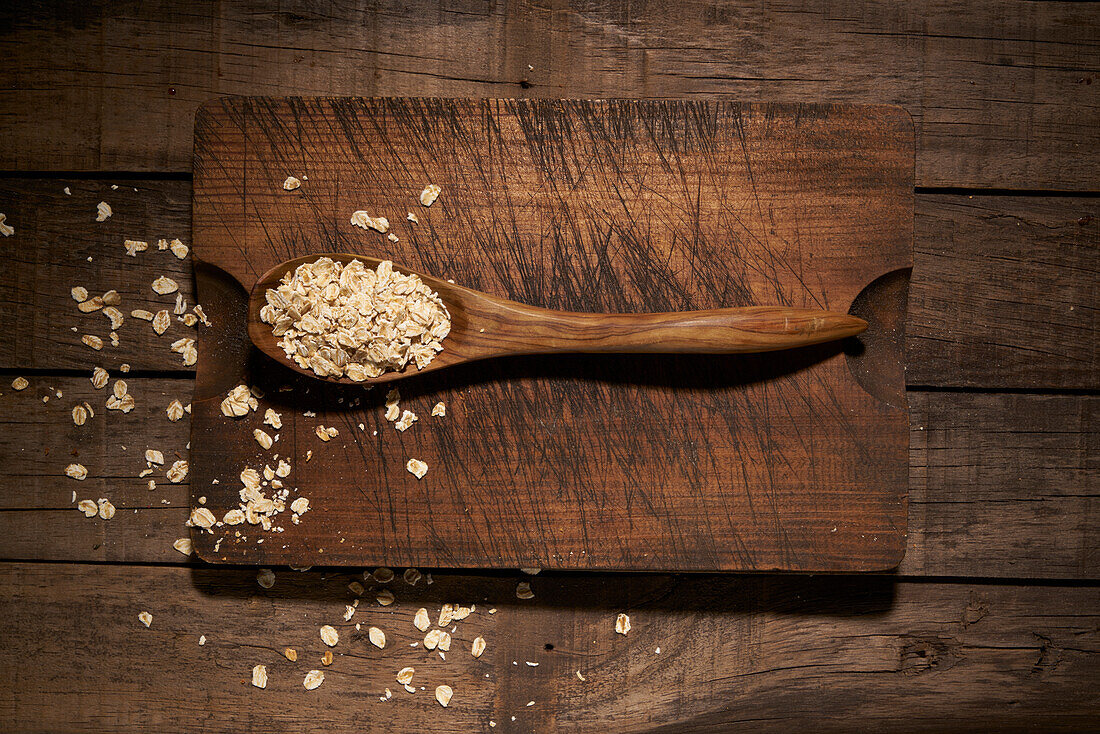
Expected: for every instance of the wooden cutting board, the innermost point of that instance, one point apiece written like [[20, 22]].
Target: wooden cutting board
[[783, 461]]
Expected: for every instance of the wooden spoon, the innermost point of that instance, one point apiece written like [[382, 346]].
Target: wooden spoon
[[484, 326]]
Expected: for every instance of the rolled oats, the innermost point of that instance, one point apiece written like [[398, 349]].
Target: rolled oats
[[79, 293], [179, 249], [382, 574], [154, 457], [92, 341], [377, 637], [202, 518], [259, 676], [405, 675], [417, 468], [19, 383], [99, 378], [164, 285], [273, 419], [326, 659], [412, 218], [326, 434], [263, 439], [313, 679], [103, 211], [184, 546], [523, 590], [77, 472], [114, 315], [622, 624], [384, 597], [201, 315], [233, 517], [265, 577], [88, 507], [443, 694], [106, 509], [146, 618], [120, 389], [406, 420], [124, 367], [133, 247], [433, 638], [291, 654], [291, 183], [411, 576], [421, 621], [80, 415], [92, 304], [112, 298], [346, 320], [140, 313], [238, 402], [366, 221], [161, 322], [178, 472], [439, 410], [478, 646], [430, 194], [329, 635], [174, 410], [283, 470]]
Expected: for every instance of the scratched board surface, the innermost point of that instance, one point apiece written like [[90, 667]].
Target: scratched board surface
[[779, 461]]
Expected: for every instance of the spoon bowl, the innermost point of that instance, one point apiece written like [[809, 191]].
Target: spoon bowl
[[485, 326]]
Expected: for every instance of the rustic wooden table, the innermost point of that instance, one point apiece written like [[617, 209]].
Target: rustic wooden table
[[991, 620]]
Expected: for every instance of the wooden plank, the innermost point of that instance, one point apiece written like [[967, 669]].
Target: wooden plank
[[1005, 293], [773, 654], [58, 244], [1002, 95], [1001, 485], [619, 462], [1004, 485]]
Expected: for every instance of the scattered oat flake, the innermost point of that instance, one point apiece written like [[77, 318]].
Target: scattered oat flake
[[326, 659], [161, 322], [417, 468], [377, 637], [290, 654], [103, 211], [329, 635], [523, 590], [412, 218], [91, 305], [174, 410], [405, 676], [392, 237], [146, 618], [326, 434], [439, 410], [76, 471], [266, 578], [382, 574], [177, 472], [80, 415], [140, 313], [411, 576], [179, 249], [300, 506], [273, 419], [366, 221], [422, 621], [478, 646], [349, 612], [262, 438], [531, 571], [154, 457], [291, 183], [259, 676], [112, 298], [99, 378], [430, 194], [443, 695], [406, 420], [202, 518], [184, 546], [164, 285], [19, 383], [88, 507], [79, 293], [384, 597], [202, 640], [622, 624], [133, 247], [313, 679], [92, 341]]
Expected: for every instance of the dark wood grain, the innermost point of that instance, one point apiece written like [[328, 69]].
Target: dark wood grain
[[1001, 485], [770, 654], [58, 244], [666, 462], [1005, 286], [1003, 290], [1002, 94]]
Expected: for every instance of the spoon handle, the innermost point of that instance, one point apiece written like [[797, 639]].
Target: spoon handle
[[522, 329]]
